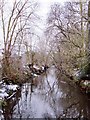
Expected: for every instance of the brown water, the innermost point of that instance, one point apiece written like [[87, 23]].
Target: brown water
[[49, 97]]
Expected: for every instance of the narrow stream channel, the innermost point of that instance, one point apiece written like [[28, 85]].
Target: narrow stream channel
[[51, 96]]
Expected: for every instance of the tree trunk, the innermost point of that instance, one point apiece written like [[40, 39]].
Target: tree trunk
[[6, 65], [89, 27]]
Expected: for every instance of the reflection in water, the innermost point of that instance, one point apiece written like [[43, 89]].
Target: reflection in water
[[49, 96]]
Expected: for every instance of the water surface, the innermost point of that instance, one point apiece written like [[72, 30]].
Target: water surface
[[50, 96]]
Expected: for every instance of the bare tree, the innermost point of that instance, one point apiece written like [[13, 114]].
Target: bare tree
[[67, 34], [14, 28]]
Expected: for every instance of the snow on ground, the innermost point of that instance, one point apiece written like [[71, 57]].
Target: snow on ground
[[86, 82], [12, 87], [3, 95], [5, 88], [2, 90]]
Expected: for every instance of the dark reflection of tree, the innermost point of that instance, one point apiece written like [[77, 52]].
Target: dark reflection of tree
[[19, 111], [73, 102], [9, 103], [22, 106], [26, 94], [50, 97]]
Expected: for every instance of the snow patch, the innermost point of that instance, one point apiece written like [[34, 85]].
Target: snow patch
[[1, 82], [35, 75], [5, 88], [36, 67], [12, 87], [43, 68], [3, 95], [86, 82]]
